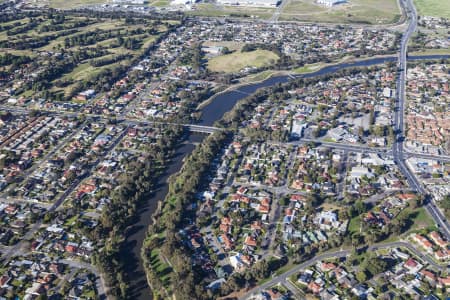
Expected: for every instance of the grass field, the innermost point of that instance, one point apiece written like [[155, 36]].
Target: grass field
[[160, 3], [419, 218], [211, 10], [332, 206], [257, 77], [355, 11], [431, 52], [236, 61], [162, 269], [434, 8], [354, 225], [308, 68], [67, 4]]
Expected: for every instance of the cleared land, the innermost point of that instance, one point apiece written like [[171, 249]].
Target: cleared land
[[236, 61], [66, 4], [212, 10], [434, 8], [160, 3], [355, 11]]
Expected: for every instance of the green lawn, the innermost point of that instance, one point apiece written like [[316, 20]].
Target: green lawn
[[431, 52], [354, 225], [162, 269], [354, 11], [308, 68], [257, 77], [434, 8], [83, 72], [80, 72], [419, 218], [236, 61]]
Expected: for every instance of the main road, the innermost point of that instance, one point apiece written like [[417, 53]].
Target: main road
[[397, 148], [398, 154], [128, 121]]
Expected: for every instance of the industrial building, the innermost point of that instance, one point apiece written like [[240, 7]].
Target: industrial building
[[330, 3]]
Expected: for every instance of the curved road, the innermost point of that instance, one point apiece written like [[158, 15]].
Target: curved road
[[398, 153], [336, 254]]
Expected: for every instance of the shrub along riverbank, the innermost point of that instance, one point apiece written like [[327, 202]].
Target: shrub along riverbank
[[166, 254]]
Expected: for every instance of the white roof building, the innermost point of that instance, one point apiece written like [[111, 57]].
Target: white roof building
[[330, 3]]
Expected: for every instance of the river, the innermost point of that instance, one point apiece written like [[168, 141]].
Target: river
[[131, 253], [212, 112]]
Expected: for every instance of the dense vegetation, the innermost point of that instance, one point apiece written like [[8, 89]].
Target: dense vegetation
[[134, 187], [168, 258], [163, 234]]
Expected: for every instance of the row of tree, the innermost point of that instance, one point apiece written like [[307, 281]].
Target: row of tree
[[186, 281], [185, 284], [134, 187]]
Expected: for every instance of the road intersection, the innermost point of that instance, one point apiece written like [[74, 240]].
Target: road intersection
[[283, 278], [397, 151], [398, 146], [399, 155]]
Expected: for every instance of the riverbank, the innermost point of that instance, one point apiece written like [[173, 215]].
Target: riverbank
[[316, 70], [139, 288], [224, 101], [169, 269], [257, 78]]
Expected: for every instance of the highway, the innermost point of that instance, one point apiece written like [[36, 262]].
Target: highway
[[397, 148], [336, 254], [278, 11], [397, 152], [399, 158]]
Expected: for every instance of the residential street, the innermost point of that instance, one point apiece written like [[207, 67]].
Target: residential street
[[335, 254]]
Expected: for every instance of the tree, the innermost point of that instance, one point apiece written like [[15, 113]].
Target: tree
[[225, 50], [445, 204], [361, 276], [372, 117], [360, 207], [356, 239], [361, 131], [369, 238], [316, 132]]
